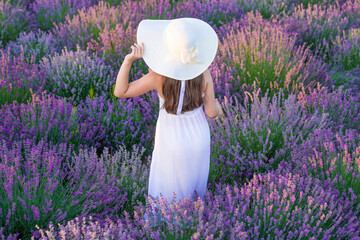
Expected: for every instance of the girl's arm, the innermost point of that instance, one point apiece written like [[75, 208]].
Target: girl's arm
[[146, 83], [211, 105]]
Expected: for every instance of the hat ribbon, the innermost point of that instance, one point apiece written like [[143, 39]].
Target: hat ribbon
[[187, 56]]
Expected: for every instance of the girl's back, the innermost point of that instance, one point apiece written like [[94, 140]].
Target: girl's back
[[181, 156], [197, 92]]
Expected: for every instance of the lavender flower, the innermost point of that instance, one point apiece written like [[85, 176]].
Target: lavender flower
[[332, 157], [73, 74], [75, 159], [269, 8], [59, 185], [49, 13], [275, 204], [342, 106], [262, 56], [20, 78], [87, 24], [45, 117], [318, 25], [38, 44], [256, 135], [346, 50], [13, 20], [109, 123], [33, 173]]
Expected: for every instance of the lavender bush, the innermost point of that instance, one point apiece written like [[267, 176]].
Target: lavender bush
[[318, 25], [11, 93], [272, 205], [94, 186], [342, 106], [269, 8], [45, 117], [13, 20], [256, 136], [285, 206], [35, 44], [224, 74], [332, 157], [214, 12], [31, 192], [19, 78], [349, 79], [127, 228], [74, 73], [279, 8], [108, 123], [148, 105], [266, 55], [346, 50], [87, 24], [23, 3], [114, 44], [351, 9], [53, 12], [97, 122], [112, 182], [223, 77], [112, 39]]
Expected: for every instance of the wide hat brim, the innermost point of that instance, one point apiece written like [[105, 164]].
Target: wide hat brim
[[158, 57]]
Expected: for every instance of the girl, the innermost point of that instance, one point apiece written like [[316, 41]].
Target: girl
[[178, 53]]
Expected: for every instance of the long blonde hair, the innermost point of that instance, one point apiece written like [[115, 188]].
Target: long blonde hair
[[192, 96]]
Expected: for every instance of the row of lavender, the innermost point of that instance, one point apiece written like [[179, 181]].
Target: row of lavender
[[300, 47], [60, 137], [49, 183]]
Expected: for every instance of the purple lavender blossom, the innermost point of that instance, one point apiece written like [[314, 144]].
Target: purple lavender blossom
[[52, 12], [14, 19], [20, 78], [38, 44], [283, 205], [73, 74]]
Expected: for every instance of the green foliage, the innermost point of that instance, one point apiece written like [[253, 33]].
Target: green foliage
[[13, 93], [47, 17], [345, 79], [264, 57]]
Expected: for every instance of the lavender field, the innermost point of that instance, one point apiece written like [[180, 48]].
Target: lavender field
[[285, 157]]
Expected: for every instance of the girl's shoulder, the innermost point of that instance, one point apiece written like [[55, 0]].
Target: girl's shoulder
[[206, 77], [159, 80]]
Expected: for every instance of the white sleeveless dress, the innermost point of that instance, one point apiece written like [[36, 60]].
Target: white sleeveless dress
[[181, 155]]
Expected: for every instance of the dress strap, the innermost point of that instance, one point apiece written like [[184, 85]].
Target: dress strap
[[181, 98]]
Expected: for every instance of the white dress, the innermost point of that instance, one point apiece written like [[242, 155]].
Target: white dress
[[181, 155]]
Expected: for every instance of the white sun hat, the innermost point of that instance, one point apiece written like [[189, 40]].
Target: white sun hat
[[181, 48]]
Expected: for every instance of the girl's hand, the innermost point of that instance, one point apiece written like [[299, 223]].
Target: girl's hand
[[137, 52], [220, 107], [221, 113]]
